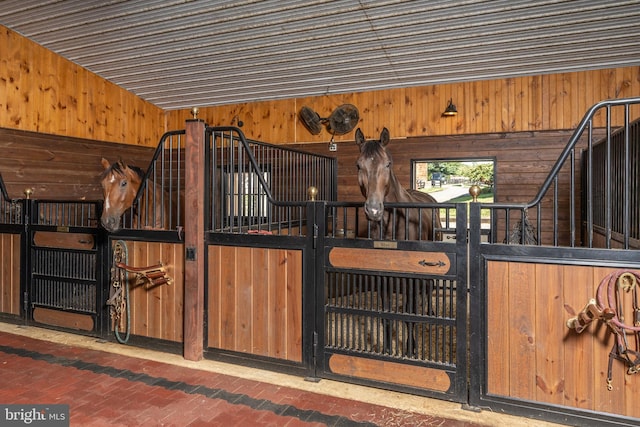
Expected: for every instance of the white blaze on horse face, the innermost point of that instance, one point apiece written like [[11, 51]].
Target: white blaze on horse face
[[110, 219], [107, 204]]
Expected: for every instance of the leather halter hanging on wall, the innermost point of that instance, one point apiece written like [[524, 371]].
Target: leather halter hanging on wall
[[608, 307]]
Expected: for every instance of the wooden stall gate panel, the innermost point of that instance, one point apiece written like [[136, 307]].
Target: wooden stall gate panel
[[532, 355], [156, 311], [391, 317], [10, 274], [254, 300]]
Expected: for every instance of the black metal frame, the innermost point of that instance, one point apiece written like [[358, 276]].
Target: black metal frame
[[166, 169], [289, 215], [455, 250], [64, 279]]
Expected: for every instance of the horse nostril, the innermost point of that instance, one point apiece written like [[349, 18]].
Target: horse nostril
[[110, 224], [374, 213]]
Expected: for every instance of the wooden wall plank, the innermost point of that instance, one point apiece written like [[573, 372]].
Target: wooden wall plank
[[140, 303], [278, 281], [16, 256], [155, 304], [550, 321], [522, 334], [173, 294], [227, 303], [10, 274], [411, 102], [244, 301], [261, 302], [499, 355], [294, 305], [578, 348], [213, 292], [405, 374]]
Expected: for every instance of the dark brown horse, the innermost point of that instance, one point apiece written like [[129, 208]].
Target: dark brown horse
[[379, 185], [120, 184]]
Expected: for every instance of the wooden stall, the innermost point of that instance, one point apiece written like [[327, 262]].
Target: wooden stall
[[532, 355], [251, 286], [255, 301]]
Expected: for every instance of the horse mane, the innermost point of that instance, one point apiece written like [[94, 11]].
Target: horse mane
[[119, 167]]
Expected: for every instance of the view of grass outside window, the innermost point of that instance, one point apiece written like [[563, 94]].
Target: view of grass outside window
[[449, 180]]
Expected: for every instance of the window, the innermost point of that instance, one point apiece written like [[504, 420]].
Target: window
[[449, 179]]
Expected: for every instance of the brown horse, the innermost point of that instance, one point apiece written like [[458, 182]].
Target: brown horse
[[379, 184], [120, 185]]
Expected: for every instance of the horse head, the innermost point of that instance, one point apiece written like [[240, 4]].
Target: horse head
[[120, 184], [374, 173]]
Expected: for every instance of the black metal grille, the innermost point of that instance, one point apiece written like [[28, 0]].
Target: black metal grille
[[253, 186], [602, 201], [66, 214], [64, 279], [347, 220], [160, 199], [10, 210], [64, 263], [616, 164], [64, 295], [391, 316]]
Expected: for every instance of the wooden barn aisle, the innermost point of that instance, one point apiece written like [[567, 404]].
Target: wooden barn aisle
[[108, 384]]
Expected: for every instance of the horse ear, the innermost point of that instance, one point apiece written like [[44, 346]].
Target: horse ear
[[105, 163], [359, 137], [384, 137]]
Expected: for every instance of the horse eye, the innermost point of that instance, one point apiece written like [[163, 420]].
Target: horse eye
[[388, 165], [123, 183]]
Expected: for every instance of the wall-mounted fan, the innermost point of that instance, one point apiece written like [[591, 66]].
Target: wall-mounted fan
[[343, 120]]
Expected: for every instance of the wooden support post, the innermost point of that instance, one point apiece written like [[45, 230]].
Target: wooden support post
[[194, 264]]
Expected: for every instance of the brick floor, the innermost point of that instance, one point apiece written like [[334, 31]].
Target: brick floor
[[108, 389]]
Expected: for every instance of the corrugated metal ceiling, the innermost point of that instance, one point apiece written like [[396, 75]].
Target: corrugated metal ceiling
[[179, 54]]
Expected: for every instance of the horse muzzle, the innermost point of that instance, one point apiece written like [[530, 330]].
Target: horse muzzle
[[373, 211], [110, 223]]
